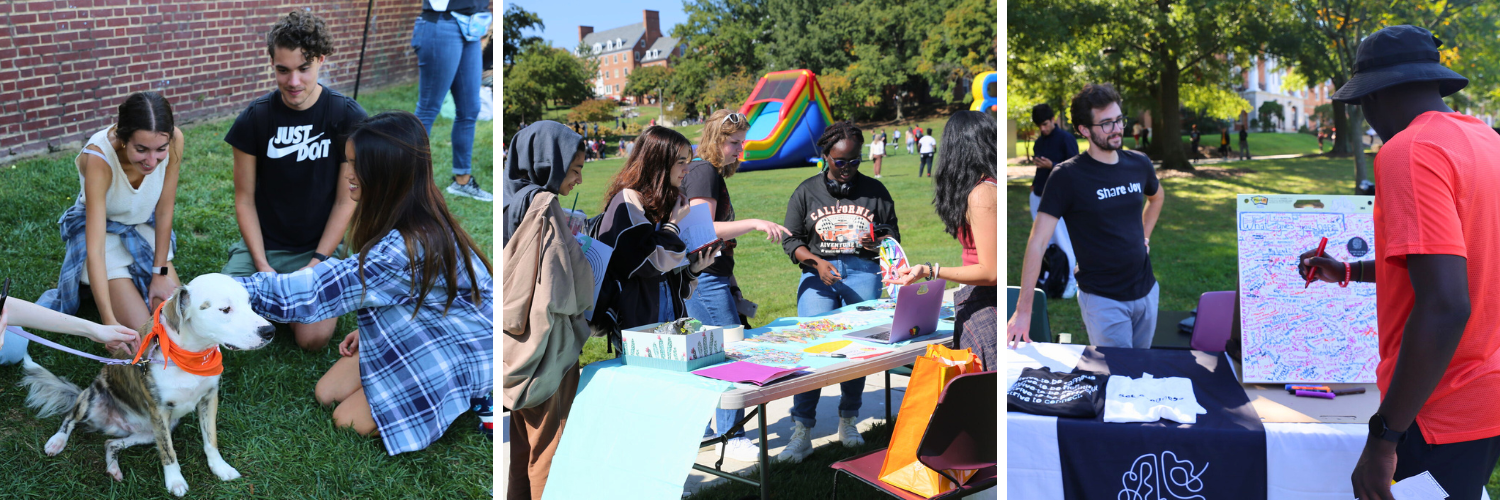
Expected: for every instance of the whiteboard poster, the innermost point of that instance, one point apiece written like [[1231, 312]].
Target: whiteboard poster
[[1295, 333]]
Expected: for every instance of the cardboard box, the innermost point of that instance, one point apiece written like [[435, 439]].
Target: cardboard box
[[644, 347]]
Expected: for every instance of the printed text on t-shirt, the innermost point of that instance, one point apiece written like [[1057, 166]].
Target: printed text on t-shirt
[[296, 140], [1135, 187]]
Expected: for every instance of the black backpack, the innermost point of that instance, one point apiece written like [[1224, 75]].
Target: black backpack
[[1055, 273]]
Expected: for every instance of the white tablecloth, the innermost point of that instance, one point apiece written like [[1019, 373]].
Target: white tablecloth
[[1303, 461]]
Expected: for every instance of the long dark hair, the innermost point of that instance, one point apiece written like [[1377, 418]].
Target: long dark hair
[[966, 157], [394, 168], [147, 111], [646, 172]]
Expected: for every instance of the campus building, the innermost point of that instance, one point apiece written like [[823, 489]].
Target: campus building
[[1266, 81], [621, 51]]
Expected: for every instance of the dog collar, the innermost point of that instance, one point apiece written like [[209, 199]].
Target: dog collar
[[205, 363]]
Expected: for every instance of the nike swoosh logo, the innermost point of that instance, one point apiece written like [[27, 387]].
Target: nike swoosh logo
[[274, 152]]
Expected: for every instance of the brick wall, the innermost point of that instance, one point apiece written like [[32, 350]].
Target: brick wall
[[65, 66]]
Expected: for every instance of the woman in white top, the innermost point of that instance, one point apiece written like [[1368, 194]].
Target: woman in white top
[[877, 151], [129, 174]]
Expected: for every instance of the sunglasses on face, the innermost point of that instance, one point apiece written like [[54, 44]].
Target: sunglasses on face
[[846, 163]]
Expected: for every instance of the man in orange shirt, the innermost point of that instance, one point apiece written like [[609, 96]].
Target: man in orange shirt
[[1437, 249]]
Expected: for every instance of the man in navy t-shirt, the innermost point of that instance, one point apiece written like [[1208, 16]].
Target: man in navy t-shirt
[[1053, 146], [1112, 199]]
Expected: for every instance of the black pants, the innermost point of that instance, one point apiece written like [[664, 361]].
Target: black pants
[[1462, 469], [926, 164]]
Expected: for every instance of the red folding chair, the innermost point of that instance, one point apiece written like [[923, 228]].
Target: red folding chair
[[960, 435]]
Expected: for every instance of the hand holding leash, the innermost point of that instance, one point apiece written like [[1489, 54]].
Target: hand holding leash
[[114, 338]]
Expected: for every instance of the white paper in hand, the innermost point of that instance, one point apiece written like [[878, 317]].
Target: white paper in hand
[[697, 228], [1419, 487], [597, 254]]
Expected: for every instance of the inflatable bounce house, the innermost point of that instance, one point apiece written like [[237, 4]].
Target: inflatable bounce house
[[787, 113], [986, 85]]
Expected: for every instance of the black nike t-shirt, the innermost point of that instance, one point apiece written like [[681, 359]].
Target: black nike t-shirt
[[1102, 204], [297, 157]]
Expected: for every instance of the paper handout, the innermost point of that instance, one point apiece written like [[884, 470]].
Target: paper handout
[[1419, 487], [697, 228], [746, 372], [597, 254]]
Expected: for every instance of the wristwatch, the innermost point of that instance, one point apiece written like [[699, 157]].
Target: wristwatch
[[1379, 430], [162, 271]]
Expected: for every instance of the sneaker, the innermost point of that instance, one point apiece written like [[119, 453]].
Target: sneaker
[[485, 408], [740, 448], [470, 190], [797, 448], [848, 433]]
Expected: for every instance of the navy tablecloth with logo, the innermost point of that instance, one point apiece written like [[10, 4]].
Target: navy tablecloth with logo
[[1223, 455]]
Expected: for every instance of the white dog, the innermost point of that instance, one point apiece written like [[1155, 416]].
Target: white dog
[[142, 403]]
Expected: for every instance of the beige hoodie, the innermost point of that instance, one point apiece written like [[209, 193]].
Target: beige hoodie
[[547, 286]]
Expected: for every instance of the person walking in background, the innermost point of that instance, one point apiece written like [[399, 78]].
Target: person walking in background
[[896, 139], [449, 59], [1224, 144], [1054, 146], [1195, 137], [877, 151], [290, 196], [966, 196], [1244, 142], [911, 141], [928, 147]]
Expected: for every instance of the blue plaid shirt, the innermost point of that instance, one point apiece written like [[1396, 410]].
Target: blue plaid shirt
[[64, 298], [418, 373]]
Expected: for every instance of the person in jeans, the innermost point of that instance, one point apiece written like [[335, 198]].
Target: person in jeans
[[450, 59], [837, 220], [1112, 199], [927, 146], [714, 301], [1433, 271]]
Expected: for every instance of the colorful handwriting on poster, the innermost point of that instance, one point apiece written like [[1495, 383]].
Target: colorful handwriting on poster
[[1320, 333]]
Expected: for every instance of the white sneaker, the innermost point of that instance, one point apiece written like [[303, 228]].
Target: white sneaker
[[740, 448], [1071, 290], [799, 447], [848, 433]]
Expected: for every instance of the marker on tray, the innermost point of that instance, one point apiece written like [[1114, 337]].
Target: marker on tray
[[1315, 394], [1313, 271]]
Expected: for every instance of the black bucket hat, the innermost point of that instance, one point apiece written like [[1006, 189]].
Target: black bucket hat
[[1397, 55]]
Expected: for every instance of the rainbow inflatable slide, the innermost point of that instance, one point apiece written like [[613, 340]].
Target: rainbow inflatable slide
[[787, 113]]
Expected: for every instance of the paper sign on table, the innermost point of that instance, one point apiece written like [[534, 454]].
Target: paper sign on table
[[746, 372]]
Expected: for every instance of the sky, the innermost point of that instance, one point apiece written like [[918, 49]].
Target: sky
[[563, 17]]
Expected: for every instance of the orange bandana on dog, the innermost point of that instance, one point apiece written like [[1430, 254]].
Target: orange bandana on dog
[[206, 363]]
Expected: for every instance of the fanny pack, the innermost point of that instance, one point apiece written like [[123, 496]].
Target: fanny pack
[[473, 26]]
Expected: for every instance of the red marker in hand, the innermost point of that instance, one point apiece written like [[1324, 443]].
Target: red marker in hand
[[1312, 270]]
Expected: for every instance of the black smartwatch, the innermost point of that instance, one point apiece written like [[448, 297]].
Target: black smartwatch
[[162, 271], [321, 257], [1378, 430]]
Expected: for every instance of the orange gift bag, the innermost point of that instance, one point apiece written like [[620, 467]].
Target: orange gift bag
[[929, 376]]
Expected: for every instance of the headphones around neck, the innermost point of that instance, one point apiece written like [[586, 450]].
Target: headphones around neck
[[835, 188]]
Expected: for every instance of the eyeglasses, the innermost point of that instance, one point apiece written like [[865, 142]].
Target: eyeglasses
[[1111, 125], [732, 118], [846, 163]]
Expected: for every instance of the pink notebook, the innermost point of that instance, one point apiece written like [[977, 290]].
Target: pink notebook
[[746, 372]]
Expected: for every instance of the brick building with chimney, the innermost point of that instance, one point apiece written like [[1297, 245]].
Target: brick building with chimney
[[621, 51]]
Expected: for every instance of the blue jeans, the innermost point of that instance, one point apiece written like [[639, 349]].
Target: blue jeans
[[713, 304], [926, 165], [861, 282], [14, 348], [446, 62]]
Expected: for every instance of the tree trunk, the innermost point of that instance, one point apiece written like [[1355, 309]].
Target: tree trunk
[[898, 105], [1340, 123], [1357, 135], [1167, 137]]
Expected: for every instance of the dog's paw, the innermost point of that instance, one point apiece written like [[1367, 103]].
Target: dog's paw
[[114, 472], [224, 471], [177, 485], [56, 443]]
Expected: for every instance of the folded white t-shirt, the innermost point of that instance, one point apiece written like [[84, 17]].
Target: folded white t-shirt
[[1149, 399]]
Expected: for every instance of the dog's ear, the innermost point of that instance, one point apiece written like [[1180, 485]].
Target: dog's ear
[[180, 300]]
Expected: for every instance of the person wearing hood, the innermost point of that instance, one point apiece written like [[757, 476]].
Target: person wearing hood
[[547, 287]]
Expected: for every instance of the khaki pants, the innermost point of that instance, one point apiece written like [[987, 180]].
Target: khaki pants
[[534, 436]]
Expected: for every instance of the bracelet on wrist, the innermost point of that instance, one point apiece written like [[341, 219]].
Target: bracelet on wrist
[[321, 257], [1347, 272]]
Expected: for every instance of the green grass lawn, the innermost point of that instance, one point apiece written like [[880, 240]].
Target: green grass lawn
[[270, 428], [1194, 247], [766, 275], [1261, 144]]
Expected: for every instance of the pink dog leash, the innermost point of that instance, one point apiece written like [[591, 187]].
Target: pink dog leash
[[108, 361]]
